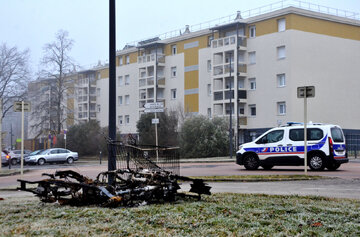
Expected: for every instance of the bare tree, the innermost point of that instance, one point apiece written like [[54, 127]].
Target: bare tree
[[57, 67], [14, 75]]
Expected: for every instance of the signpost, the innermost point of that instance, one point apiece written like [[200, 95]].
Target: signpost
[[305, 92], [22, 106], [157, 107]]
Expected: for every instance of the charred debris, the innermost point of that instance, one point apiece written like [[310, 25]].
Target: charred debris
[[144, 175]]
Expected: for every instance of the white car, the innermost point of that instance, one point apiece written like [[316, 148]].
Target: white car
[[285, 146], [52, 155]]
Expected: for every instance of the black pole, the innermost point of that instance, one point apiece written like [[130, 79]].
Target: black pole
[[11, 137], [112, 86], [230, 130]]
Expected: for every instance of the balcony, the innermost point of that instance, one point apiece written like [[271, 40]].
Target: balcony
[[161, 82], [151, 58], [239, 41], [218, 95]]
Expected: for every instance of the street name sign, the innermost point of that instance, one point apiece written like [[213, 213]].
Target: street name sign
[[18, 106], [310, 91], [154, 110], [156, 105]]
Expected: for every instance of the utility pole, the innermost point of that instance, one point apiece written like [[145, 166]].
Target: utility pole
[[230, 130]]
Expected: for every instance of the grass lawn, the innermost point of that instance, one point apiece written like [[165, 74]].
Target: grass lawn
[[215, 215]]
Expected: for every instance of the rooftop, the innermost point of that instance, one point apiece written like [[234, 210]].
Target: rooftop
[[253, 13]]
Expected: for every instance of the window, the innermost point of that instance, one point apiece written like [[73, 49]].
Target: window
[[98, 108], [281, 52], [209, 112], [120, 119], [281, 25], [252, 57], [127, 119], [173, 94], [127, 99], [313, 134], [173, 49], [121, 60], [127, 79], [281, 108], [271, 137], [337, 134], [209, 65], [127, 59], [281, 80], [209, 89], [120, 100], [252, 31], [252, 109], [120, 81], [252, 84], [210, 38], [97, 91], [173, 71], [241, 110]]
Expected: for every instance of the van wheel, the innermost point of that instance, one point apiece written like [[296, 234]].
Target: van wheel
[[251, 162], [332, 166], [267, 167], [316, 162]]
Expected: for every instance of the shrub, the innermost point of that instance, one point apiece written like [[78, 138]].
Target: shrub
[[202, 137]]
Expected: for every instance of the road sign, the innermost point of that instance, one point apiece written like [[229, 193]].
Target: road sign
[[310, 91], [305, 92], [18, 106], [155, 121], [154, 110], [156, 105]]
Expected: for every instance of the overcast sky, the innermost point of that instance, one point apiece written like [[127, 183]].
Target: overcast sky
[[33, 23]]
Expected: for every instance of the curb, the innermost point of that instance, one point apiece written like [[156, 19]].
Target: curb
[[15, 172]]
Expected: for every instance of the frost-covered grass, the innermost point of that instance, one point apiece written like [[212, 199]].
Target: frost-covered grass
[[215, 215]]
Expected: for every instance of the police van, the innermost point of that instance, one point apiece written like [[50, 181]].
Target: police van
[[284, 146]]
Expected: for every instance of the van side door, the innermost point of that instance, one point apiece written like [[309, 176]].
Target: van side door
[[270, 145]]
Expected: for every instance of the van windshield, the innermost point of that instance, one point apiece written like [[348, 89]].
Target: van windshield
[[337, 134]]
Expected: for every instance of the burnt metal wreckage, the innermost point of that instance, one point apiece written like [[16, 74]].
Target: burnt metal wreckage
[[144, 175]]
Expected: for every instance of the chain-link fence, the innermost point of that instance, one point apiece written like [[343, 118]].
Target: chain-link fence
[[145, 157]]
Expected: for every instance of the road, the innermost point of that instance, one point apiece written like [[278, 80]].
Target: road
[[346, 184]]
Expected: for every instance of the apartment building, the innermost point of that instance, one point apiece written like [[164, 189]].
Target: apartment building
[[43, 95], [248, 68]]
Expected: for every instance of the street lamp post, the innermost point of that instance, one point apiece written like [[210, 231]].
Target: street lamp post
[[230, 130]]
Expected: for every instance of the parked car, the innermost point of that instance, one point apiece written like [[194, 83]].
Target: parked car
[[285, 146], [5, 158], [16, 156], [52, 155]]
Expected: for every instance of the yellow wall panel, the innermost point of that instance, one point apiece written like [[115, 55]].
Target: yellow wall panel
[[191, 103], [307, 24], [191, 80], [133, 57], [324, 27], [104, 73], [191, 57]]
